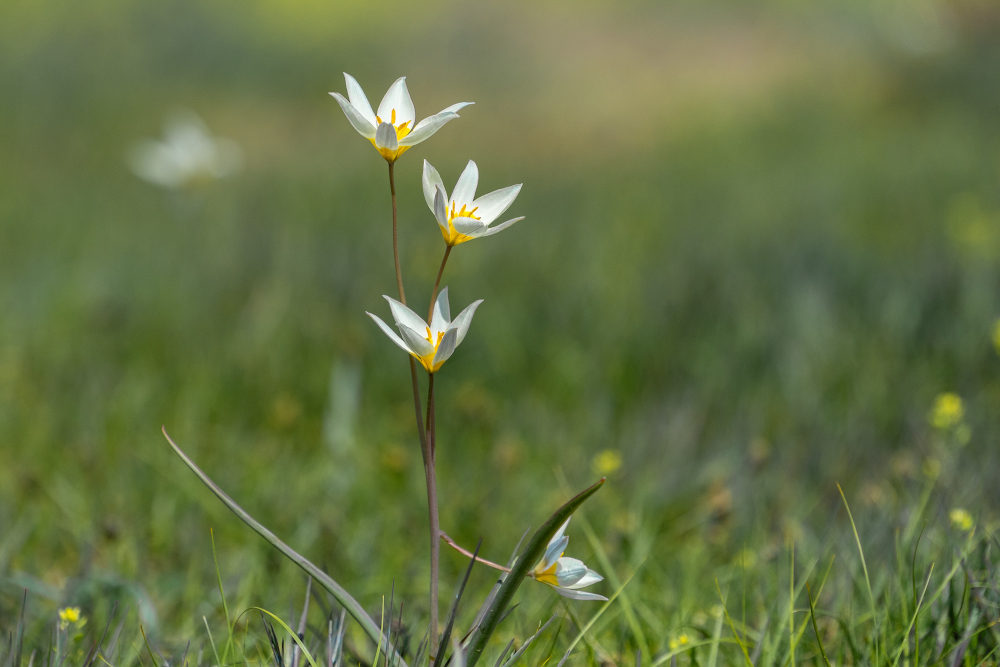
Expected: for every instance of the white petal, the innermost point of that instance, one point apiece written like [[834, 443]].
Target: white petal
[[465, 189], [385, 137], [469, 226], [398, 98], [152, 161], [455, 108], [431, 181], [577, 595], [358, 99], [491, 206], [448, 344], [416, 341], [389, 332], [553, 552], [464, 320], [442, 312], [495, 229], [588, 579], [569, 571], [441, 208], [364, 128], [559, 533], [427, 127], [404, 316]]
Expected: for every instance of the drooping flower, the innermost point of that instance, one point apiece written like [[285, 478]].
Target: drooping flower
[[187, 154], [391, 130], [461, 217], [566, 575], [432, 344]]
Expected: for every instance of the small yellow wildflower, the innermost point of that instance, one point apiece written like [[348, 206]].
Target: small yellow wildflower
[[69, 614], [961, 519], [607, 462], [948, 411], [682, 640]]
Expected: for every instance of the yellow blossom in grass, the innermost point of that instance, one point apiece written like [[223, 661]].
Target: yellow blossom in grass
[[947, 412], [682, 640], [71, 616], [606, 462], [960, 519]]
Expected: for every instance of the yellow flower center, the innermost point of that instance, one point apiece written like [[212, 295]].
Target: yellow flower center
[[427, 361], [402, 130], [547, 576], [452, 237]]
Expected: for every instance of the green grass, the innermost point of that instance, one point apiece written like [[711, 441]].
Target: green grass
[[752, 296]]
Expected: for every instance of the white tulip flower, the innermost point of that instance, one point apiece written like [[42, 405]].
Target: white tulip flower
[[188, 154], [462, 217], [566, 575], [432, 344], [391, 130]]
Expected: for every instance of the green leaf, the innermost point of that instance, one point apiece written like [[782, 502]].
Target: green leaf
[[525, 561]]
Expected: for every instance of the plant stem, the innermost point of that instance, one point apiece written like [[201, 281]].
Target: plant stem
[[465, 552], [437, 283], [426, 448], [430, 465]]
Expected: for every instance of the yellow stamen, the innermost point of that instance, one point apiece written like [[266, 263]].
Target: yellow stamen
[[453, 237], [427, 361], [548, 576], [402, 130]]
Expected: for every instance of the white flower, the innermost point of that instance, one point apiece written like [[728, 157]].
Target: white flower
[[566, 575], [188, 154], [391, 130], [461, 218], [430, 344]]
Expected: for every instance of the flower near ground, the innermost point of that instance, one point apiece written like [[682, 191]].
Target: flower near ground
[[461, 216], [432, 344], [391, 130], [947, 412], [961, 519], [70, 616], [187, 154], [681, 640], [606, 462], [566, 575]]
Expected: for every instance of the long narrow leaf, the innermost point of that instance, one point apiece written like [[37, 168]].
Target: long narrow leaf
[[532, 552], [345, 599]]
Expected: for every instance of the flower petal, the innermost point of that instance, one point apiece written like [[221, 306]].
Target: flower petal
[[569, 571], [454, 108], [448, 344], [427, 127], [559, 533], [358, 121], [441, 208], [442, 313], [389, 332], [420, 346], [385, 137], [496, 229], [431, 181], [577, 595], [470, 226], [358, 99], [588, 579], [404, 316], [397, 98], [553, 552], [465, 189], [491, 206], [464, 320]]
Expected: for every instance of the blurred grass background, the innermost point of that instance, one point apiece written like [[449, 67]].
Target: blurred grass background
[[759, 241]]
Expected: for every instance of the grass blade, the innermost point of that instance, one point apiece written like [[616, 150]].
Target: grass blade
[[864, 567], [527, 559], [345, 599], [446, 637], [739, 640], [524, 647], [916, 612], [593, 619], [812, 615]]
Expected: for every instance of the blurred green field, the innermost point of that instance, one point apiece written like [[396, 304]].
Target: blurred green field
[[759, 242]]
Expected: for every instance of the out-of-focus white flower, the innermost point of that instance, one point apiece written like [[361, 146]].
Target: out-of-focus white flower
[[431, 344], [187, 154], [391, 130], [461, 217], [566, 575]]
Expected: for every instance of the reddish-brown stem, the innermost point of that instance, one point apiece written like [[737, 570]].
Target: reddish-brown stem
[[465, 552], [437, 283]]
